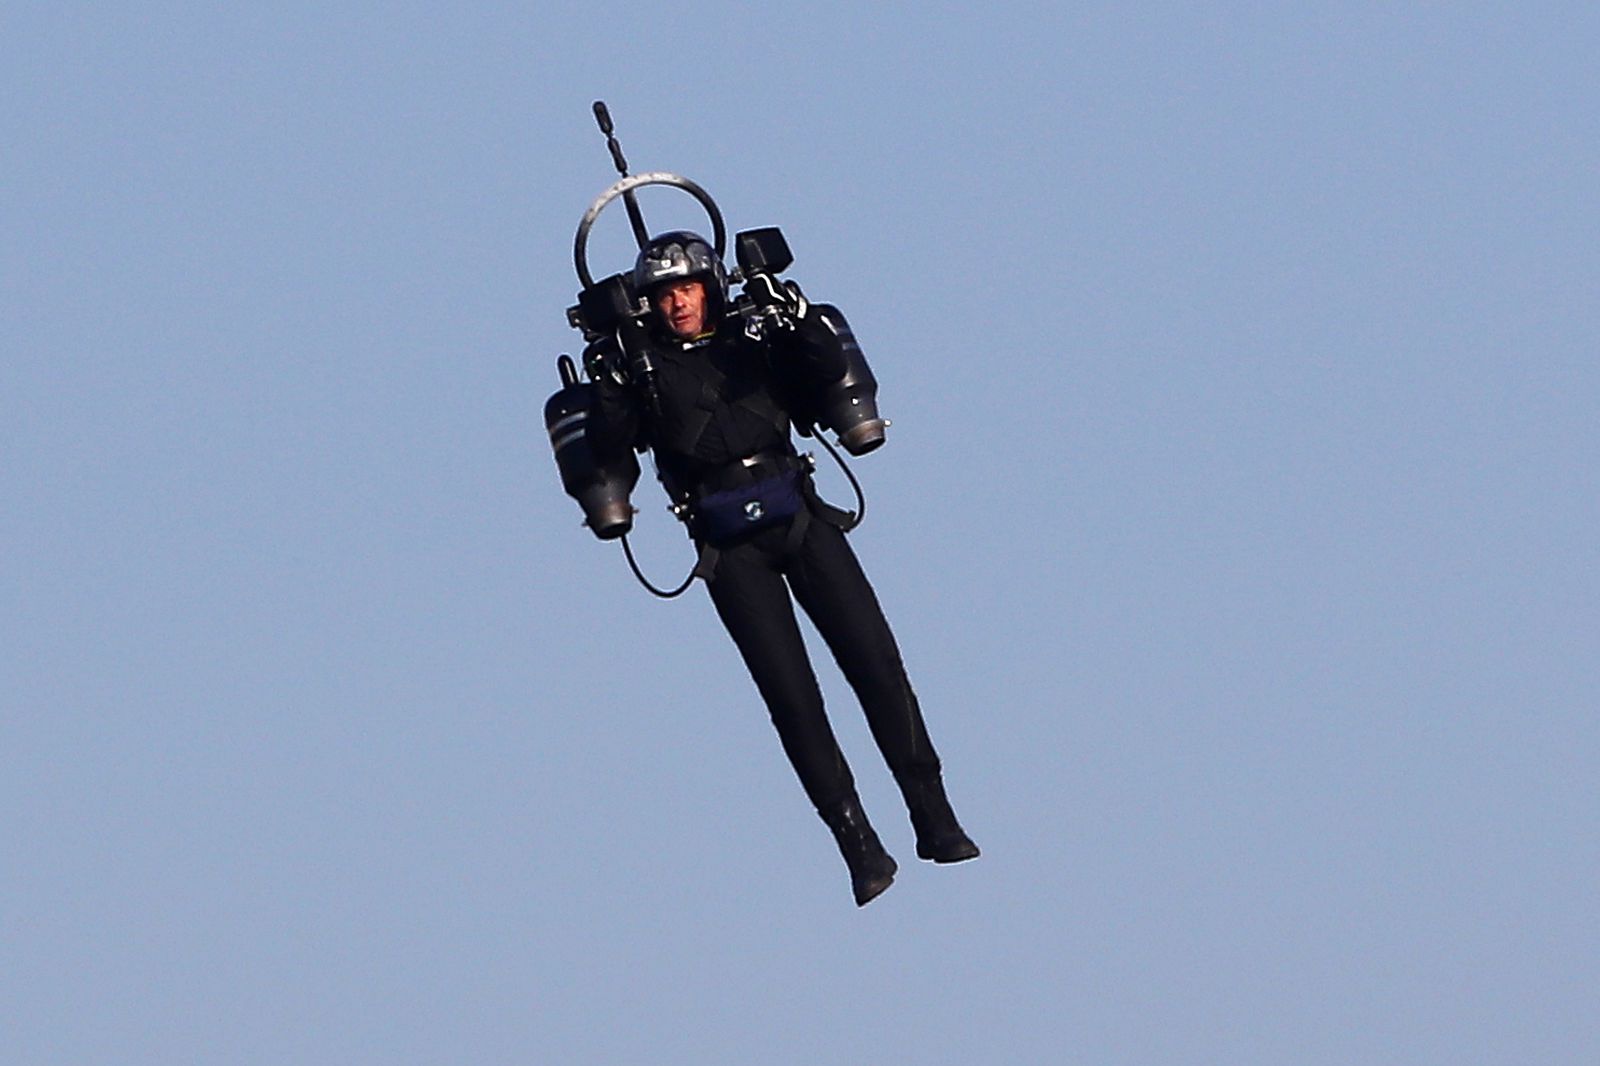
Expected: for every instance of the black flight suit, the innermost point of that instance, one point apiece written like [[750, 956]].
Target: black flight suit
[[720, 419]]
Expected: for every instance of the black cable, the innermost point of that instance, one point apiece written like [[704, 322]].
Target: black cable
[[861, 500], [627, 550]]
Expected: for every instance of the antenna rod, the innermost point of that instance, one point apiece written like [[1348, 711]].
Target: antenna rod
[[641, 235]]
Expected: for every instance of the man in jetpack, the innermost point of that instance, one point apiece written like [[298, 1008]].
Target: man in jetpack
[[713, 394]]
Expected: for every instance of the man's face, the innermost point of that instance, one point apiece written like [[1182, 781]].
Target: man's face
[[682, 306]]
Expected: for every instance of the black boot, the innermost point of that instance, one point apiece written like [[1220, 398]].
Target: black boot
[[871, 868], [940, 837]]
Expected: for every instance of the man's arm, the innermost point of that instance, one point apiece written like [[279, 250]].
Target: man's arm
[[616, 420], [800, 337]]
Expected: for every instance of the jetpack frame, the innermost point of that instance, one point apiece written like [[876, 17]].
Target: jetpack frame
[[613, 319]]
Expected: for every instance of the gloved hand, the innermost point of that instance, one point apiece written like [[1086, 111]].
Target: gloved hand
[[603, 361], [780, 306], [777, 298]]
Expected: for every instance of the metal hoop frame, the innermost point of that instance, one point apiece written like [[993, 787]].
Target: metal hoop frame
[[624, 188]]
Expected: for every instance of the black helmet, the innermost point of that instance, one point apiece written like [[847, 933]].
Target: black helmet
[[681, 254]]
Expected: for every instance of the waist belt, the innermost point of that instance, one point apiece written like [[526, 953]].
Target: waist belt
[[749, 470]]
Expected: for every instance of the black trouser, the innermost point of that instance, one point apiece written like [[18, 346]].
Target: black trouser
[[749, 590]]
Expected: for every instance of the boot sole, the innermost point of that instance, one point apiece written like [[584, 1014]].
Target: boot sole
[[870, 891], [950, 858]]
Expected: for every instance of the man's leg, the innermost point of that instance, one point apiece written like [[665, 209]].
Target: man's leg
[[753, 602], [831, 586], [834, 590]]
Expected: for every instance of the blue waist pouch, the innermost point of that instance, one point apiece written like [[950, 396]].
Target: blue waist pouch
[[726, 515]]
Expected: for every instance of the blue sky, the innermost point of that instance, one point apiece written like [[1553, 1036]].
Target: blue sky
[[1237, 524]]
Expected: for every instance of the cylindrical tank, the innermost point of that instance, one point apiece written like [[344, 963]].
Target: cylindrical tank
[[601, 489], [849, 406]]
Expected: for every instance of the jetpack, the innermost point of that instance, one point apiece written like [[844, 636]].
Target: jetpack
[[613, 319]]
